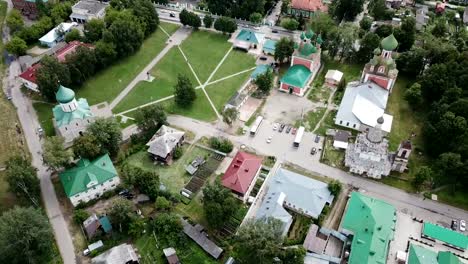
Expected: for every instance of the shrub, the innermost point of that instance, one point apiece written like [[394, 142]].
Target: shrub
[[221, 144], [80, 215], [178, 152]]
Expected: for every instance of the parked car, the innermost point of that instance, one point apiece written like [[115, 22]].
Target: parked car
[[8, 96], [454, 225], [317, 139], [269, 140], [274, 31], [288, 129], [294, 131], [313, 151], [263, 58], [171, 14], [275, 126], [281, 128], [40, 131], [462, 225]]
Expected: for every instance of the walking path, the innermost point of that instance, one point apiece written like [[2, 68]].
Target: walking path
[[329, 107], [174, 40]]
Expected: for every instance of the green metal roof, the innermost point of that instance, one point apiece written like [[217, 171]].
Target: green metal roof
[[297, 76], [261, 69], [269, 46], [105, 223], [372, 222], [389, 43], [309, 33], [319, 39], [247, 35], [64, 95], [75, 180], [445, 235], [422, 255], [64, 118], [307, 49]]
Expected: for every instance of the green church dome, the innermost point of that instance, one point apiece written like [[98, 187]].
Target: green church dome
[[307, 49], [309, 33], [389, 43], [303, 36], [319, 39], [377, 51], [64, 95]]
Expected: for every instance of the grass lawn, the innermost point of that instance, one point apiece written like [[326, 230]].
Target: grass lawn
[[221, 92], [313, 117], [45, 115], [320, 93], [332, 156], [107, 84], [351, 72], [204, 50], [299, 228], [193, 210], [327, 123], [459, 198], [7, 199], [174, 176], [235, 62], [165, 73], [151, 251]]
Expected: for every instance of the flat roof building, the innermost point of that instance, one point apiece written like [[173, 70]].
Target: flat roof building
[[85, 10]]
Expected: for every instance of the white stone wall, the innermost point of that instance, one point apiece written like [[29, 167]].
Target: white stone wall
[[72, 130], [30, 85], [95, 191]]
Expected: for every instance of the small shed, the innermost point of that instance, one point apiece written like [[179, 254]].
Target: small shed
[[171, 256], [261, 69], [333, 77], [91, 226], [105, 223], [340, 140], [142, 198], [269, 47]]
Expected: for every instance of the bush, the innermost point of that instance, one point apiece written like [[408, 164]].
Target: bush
[[221, 144], [79, 216], [334, 187], [289, 23], [162, 203], [178, 152]]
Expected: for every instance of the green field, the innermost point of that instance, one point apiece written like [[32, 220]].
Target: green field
[[201, 108], [204, 51], [235, 62], [107, 84], [221, 92], [165, 73], [45, 115], [313, 117], [174, 176]]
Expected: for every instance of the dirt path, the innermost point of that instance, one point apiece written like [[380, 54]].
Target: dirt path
[[334, 218]]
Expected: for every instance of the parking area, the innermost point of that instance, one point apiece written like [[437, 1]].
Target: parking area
[[248, 108]]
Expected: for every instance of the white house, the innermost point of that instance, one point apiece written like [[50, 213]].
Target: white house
[[85, 10], [89, 179], [333, 77], [57, 34]]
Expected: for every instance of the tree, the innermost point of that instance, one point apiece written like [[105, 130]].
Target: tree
[[150, 119], [284, 49], [384, 30], [74, 34], [411, 62], [369, 43], [293, 255], [146, 181], [178, 152], [126, 35], [184, 92], [413, 95], [365, 23], [221, 144], [122, 214], [184, 17], [346, 9], [137, 227], [218, 205], [60, 12], [406, 34], [264, 81], [55, 155], [15, 21], [225, 25], [230, 115], [289, 23], [334, 187], [80, 215], [449, 169], [93, 29], [348, 34], [22, 180], [195, 20], [108, 134], [342, 84], [26, 236], [81, 64], [423, 174], [379, 10], [322, 23], [440, 28], [49, 75], [258, 241], [16, 46], [188, 18], [147, 15], [255, 18], [168, 227], [208, 21], [162, 203], [105, 54], [86, 147]]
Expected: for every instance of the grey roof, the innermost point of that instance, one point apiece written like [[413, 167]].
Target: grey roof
[[194, 165], [236, 99], [93, 7], [91, 225], [164, 141], [342, 135], [314, 243], [363, 103], [296, 192], [117, 255], [200, 238]]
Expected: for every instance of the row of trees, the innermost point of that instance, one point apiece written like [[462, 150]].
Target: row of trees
[[244, 9]]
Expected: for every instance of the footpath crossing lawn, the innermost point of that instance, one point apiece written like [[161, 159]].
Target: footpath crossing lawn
[[204, 50], [165, 74], [107, 84], [236, 61], [222, 91]]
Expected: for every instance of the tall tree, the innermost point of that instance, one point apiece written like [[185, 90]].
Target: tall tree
[[346, 9], [16, 46], [379, 10], [413, 95], [146, 181], [255, 18], [322, 23], [126, 35], [147, 15], [169, 228], [14, 21], [81, 64], [60, 12], [49, 75], [108, 135], [93, 29], [284, 48], [406, 34], [230, 115], [225, 25], [258, 241], [105, 54], [22, 180], [369, 43], [122, 214], [208, 21], [366, 23], [74, 34], [150, 119], [218, 204], [264, 81], [86, 146], [423, 174], [184, 93], [289, 23], [55, 155], [26, 236]]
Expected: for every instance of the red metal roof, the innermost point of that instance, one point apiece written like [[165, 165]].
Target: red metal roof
[[382, 82], [241, 172], [30, 73], [309, 5]]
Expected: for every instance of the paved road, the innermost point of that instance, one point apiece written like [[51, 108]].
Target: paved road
[[174, 40], [28, 119], [281, 147]]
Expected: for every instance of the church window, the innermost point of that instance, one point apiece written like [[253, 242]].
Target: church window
[[354, 125], [371, 68], [347, 123], [381, 69], [341, 122]]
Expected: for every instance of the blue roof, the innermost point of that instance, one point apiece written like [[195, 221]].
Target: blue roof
[[105, 223], [82, 111], [249, 36], [269, 46], [261, 69]]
